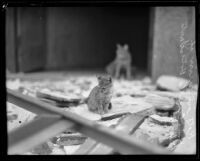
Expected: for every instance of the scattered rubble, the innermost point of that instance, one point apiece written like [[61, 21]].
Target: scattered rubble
[[163, 126], [156, 133]]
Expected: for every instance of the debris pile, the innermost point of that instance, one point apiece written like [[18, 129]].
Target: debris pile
[[154, 113]]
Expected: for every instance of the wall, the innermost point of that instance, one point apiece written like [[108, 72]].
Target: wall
[[25, 39], [86, 37], [168, 57], [11, 58], [31, 44]]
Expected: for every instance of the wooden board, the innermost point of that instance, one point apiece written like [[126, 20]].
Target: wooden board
[[86, 147], [128, 125]]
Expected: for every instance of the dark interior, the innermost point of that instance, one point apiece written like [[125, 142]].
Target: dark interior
[[88, 36], [61, 38]]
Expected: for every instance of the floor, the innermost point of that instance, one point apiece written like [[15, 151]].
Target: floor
[[129, 96]]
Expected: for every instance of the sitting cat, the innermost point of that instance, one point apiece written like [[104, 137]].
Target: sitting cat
[[122, 61], [99, 99]]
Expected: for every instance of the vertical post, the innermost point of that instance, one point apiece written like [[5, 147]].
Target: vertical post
[[16, 37], [150, 40]]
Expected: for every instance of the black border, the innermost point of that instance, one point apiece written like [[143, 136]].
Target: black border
[[60, 3]]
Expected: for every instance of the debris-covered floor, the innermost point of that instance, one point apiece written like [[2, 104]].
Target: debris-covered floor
[[171, 122]]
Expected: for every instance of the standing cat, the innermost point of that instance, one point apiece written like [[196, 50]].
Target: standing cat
[[99, 99], [122, 61]]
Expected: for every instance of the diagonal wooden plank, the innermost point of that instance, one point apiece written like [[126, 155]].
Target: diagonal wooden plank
[[36, 132], [107, 117], [28, 103], [120, 141], [101, 149], [60, 100], [128, 125], [86, 147]]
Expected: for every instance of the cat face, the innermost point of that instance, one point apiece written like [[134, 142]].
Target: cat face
[[104, 80], [122, 50]]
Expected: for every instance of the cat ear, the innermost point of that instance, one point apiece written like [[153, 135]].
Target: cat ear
[[118, 45], [126, 46], [110, 79]]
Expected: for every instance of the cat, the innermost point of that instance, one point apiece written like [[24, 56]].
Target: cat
[[99, 99], [121, 61]]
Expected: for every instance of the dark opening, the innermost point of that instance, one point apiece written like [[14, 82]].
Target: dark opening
[[88, 36], [63, 38]]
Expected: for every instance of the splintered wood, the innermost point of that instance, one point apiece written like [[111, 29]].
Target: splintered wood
[[139, 109], [127, 125]]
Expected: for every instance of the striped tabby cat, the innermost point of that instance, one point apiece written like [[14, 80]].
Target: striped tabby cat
[[99, 99]]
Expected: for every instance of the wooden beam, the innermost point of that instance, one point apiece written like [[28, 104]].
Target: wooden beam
[[38, 131], [117, 140]]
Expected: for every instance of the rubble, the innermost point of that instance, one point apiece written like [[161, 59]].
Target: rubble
[[155, 133], [160, 102], [70, 149], [127, 124], [70, 139], [163, 120], [58, 151], [14, 85], [58, 99], [164, 126], [171, 83]]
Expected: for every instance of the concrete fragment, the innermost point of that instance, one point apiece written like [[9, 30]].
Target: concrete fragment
[[172, 146], [163, 120], [13, 84], [71, 139], [156, 133], [160, 102], [58, 151], [139, 134], [71, 149], [171, 83]]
